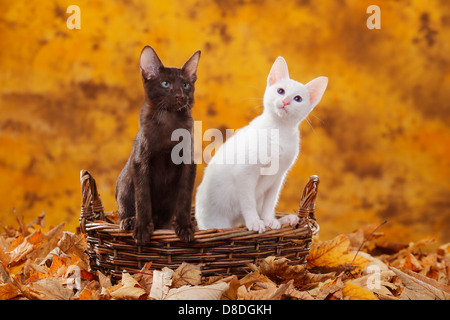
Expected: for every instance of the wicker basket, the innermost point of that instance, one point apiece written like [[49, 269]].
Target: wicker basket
[[220, 251]]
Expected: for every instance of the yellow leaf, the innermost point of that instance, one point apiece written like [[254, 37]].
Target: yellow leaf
[[352, 291], [333, 253], [16, 268]]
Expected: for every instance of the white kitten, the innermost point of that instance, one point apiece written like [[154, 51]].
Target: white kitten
[[234, 191]]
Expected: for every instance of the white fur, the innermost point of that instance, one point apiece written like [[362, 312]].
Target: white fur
[[232, 194]]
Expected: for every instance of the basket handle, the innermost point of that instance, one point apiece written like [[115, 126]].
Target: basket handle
[[91, 206], [308, 201]]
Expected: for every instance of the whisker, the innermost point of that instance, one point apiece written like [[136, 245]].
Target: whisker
[[307, 120], [323, 122], [258, 106], [257, 88], [253, 98]]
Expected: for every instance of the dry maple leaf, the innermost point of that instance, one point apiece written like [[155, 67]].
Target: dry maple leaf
[[105, 282], [145, 277], [187, 274], [244, 293], [130, 289], [90, 292], [417, 289], [256, 278], [20, 251], [333, 253], [292, 294], [331, 289], [8, 291], [272, 292], [51, 289], [4, 258], [278, 269], [55, 233], [352, 291], [162, 280], [4, 276], [72, 243], [209, 292], [231, 292]]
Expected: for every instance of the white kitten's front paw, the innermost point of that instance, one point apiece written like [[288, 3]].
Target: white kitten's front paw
[[256, 225], [291, 219], [272, 223]]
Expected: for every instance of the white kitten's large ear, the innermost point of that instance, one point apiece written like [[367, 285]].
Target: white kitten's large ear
[[190, 67], [279, 71], [316, 89], [149, 63]]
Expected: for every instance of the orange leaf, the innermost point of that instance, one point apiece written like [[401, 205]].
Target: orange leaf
[[8, 291], [59, 266], [36, 238], [15, 243], [4, 258], [21, 251], [412, 263], [91, 291], [36, 276]]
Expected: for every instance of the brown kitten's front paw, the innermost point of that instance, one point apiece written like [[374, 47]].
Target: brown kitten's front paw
[[185, 233], [127, 223], [142, 234]]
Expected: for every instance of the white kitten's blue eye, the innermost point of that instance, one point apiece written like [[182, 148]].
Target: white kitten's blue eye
[[185, 85], [165, 84], [280, 91], [298, 99]]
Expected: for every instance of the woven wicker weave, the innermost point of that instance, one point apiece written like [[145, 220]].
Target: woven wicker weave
[[220, 251]]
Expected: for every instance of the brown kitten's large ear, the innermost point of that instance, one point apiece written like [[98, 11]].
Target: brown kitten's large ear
[[279, 71], [316, 89], [150, 63], [190, 67]]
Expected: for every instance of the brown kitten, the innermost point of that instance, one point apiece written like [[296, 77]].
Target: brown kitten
[[151, 189]]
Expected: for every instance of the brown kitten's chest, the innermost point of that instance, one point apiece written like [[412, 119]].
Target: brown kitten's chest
[[162, 133]]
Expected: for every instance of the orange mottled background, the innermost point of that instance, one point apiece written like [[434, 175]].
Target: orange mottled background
[[380, 138]]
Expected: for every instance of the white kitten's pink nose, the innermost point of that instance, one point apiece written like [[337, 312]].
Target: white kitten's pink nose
[[286, 102]]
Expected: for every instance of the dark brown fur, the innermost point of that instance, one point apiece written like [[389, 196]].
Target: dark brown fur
[[151, 189]]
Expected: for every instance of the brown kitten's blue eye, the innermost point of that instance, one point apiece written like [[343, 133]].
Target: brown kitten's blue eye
[[280, 91], [185, 85], [165, 84], [298, 99]]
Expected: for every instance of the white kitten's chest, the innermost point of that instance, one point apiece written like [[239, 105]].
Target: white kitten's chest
[[289, 147]]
